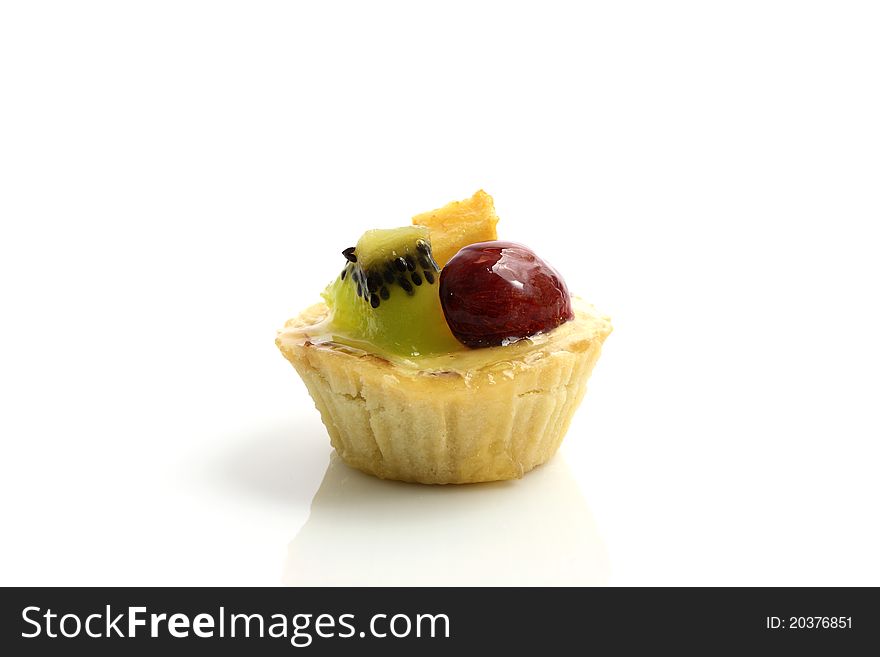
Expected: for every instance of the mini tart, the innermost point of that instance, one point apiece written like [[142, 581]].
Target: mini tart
[[463, 417]]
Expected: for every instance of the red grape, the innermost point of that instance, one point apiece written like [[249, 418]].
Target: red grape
[[497, 291]]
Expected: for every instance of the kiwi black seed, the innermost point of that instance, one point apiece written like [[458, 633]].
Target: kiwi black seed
[[376, 282]]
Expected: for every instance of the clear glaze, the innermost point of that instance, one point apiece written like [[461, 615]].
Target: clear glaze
[[315, 327]]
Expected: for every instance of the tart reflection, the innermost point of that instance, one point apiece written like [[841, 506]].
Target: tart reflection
[[363, 531]]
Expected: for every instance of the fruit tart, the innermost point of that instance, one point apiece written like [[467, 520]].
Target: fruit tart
[[441, 355]]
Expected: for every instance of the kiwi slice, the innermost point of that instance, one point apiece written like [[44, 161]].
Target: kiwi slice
[[387, 296]]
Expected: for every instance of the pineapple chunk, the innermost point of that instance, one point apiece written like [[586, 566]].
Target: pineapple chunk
[[458, 224]]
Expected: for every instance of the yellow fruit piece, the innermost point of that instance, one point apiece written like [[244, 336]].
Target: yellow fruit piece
[[458, 224]]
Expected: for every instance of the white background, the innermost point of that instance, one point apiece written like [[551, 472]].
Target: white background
[[178, 178]]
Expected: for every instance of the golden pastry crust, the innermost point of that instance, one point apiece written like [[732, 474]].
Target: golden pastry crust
[[469, 416]]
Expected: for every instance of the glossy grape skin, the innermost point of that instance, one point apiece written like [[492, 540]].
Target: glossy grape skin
[[495, 292]]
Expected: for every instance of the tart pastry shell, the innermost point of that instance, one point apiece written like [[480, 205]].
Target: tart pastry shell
[[478, 415]]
